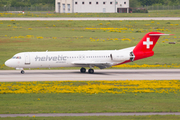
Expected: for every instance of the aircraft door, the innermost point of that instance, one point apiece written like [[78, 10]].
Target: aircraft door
[[27, 59], [81, 57]]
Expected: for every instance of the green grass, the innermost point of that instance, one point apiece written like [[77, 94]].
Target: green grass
[[152, 13], [72, 35], [150, 117], [86, 103]]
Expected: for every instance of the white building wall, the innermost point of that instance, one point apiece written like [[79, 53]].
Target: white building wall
[[120, 3], [61, 6], [90, 8], [93, 7]]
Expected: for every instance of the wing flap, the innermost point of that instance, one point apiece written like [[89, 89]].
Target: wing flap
[[101, 65]]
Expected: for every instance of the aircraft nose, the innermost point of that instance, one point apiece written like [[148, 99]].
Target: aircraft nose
[[8, 63]]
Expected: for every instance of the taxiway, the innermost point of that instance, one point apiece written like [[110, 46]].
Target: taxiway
[[88, 18], [106, 74], [84, 114]]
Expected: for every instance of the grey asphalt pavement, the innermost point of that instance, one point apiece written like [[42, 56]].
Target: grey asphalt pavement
[[105, 74], [84, 114], [88, 18]]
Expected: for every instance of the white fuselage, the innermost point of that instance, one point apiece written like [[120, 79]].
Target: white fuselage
[[97, 58], [100, 58]]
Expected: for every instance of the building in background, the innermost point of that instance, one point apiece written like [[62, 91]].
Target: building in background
[[92, 6]]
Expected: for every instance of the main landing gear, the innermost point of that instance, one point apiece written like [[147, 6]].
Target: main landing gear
[[91, 71], [83, 70]]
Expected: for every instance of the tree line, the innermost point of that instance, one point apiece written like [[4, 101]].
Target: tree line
[[137, 3], [26, 3], [133, 3]]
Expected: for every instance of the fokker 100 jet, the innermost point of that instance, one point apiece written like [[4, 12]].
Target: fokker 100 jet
[[99, 58]]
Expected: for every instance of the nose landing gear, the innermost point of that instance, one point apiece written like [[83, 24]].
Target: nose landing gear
[[22, 72]]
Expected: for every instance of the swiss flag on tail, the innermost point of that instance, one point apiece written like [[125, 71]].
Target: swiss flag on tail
[[144, 48]]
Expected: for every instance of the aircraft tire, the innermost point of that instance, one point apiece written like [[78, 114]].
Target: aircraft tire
[[83, 70], [22, 72], [91, 71]]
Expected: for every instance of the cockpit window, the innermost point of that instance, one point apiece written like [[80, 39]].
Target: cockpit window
[[16, 57]]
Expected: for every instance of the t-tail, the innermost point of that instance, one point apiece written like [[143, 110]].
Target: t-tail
[[144, 48]]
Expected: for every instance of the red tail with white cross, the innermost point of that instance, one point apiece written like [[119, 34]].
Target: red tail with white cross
[[144, 48]]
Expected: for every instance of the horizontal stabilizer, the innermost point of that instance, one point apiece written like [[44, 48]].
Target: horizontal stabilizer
[[159, 34]]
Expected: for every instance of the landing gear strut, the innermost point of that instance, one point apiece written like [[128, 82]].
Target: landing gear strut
[[22, 72], [91, 71], [83, 70]]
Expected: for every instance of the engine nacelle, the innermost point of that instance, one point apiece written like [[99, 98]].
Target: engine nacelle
[[122, 57]]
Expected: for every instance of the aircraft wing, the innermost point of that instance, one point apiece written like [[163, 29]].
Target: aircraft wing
[[99, 64]]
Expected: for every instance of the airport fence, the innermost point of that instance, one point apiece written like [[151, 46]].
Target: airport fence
[[35, 8], [52, 8], [162, 7]]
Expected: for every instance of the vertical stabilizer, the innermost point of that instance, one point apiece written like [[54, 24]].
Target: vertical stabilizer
[[144, 48]]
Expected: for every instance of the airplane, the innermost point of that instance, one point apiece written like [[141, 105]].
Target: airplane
[[97, 58]]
